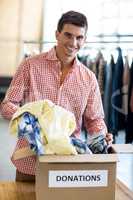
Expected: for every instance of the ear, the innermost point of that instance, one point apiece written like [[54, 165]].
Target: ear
[[83, 42], [57, 35], [85, 38]]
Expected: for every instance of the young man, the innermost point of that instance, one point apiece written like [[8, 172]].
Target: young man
[[58, 76]]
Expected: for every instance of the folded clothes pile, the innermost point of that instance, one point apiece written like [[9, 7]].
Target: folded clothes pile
[[48, 129]]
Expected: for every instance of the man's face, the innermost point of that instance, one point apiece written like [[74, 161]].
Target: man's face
[[70, 40]]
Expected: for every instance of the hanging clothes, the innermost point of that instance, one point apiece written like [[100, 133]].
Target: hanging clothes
[[131, 101], [97, 66], [100, 78], [129, 121], [113, 80], [125, 88], [117, 84], [109, 68]]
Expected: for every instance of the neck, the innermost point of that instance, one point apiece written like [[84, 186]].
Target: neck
[[65, 60]]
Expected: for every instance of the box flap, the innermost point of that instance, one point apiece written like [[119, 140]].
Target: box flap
[[123, 148], [84, 158]]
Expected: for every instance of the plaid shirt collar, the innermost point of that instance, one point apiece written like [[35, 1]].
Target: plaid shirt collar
[[51, 55]]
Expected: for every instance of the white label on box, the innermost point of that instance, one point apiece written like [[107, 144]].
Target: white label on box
[[78, 178]]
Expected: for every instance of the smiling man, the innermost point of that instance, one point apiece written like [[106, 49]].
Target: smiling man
[[70, 35], [58, 75]]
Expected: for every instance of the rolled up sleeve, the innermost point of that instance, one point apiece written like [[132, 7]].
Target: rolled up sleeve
[[15, 92], [94, 114]]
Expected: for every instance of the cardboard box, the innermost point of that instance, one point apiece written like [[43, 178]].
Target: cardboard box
[[76, 177]]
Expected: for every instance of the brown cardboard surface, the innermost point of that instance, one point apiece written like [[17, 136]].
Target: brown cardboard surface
[[67, 163], [80, 158], [78, 162]]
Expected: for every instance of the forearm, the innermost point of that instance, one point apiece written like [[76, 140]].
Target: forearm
[[7, 109], [94, 113], [96, 126]]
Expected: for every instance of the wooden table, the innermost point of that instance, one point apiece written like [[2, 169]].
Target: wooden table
[[17, 191], [26, 191]]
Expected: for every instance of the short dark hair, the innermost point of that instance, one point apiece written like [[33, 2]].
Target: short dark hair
[[72, 17]]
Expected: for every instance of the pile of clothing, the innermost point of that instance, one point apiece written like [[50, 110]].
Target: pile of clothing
[[48, 129]]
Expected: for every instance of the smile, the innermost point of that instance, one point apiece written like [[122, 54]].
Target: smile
[[71, 50]]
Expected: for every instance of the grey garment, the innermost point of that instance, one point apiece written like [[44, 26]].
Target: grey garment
[[125, 88], [108, 92], [97, 144]]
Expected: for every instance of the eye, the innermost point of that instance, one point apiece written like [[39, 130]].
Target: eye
[[68, 35], [80, 37]]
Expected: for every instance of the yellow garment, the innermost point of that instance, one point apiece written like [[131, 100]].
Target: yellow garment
[[56, 123]]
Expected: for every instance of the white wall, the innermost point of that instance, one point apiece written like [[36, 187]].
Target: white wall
[[19, 20]]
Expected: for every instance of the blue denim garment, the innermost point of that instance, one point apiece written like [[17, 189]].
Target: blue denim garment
[[80, 146], [29, 128], [97, 145]]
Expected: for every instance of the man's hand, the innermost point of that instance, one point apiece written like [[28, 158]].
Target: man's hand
[[109, 138]]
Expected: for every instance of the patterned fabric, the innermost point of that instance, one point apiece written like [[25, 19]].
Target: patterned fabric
[[81, 147], [29, 129], [38, 78], [25, 165], [98, 144]]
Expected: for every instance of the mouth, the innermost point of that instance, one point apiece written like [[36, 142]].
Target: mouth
[[71, 50]]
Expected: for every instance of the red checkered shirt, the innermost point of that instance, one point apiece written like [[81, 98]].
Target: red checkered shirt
[[38, 78]]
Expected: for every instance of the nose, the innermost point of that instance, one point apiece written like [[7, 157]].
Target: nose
[[73, 41]]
